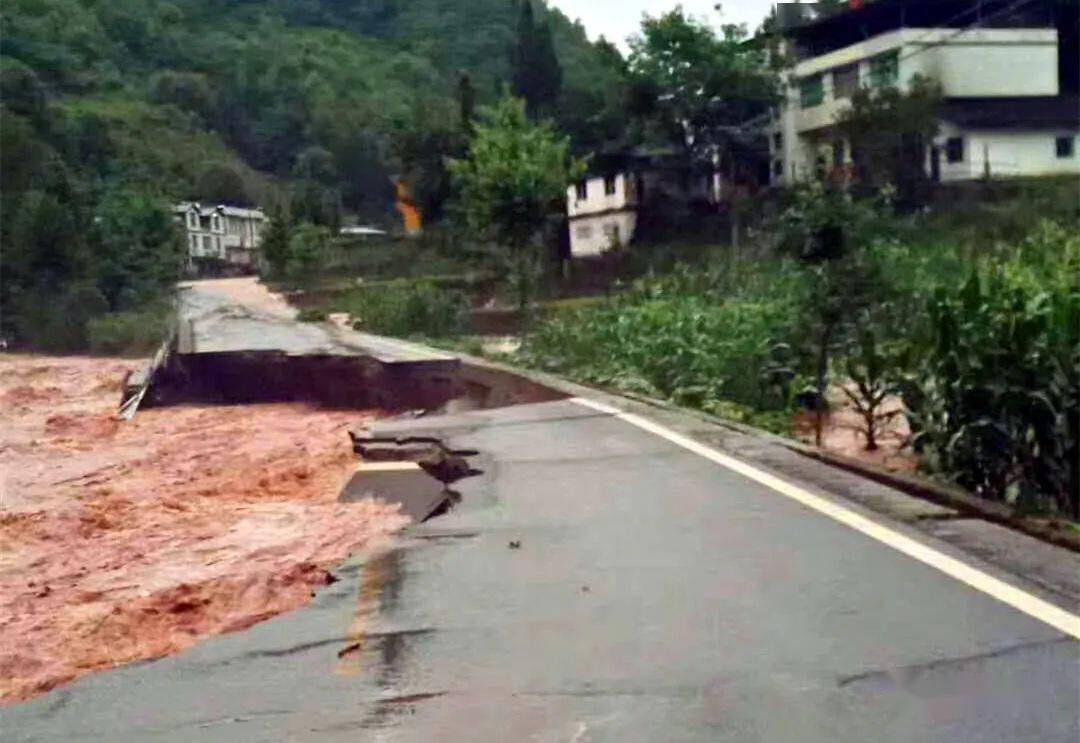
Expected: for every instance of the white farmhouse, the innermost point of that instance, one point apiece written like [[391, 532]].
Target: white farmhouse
[[629, 190], [225, 233], [602, 213], [1008, 70]]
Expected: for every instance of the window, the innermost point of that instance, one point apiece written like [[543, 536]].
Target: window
[[582, 190], [885, 69], [845, 81], [193, 220], [838, 153], [811, 91], [609, 185], [778, 168], [778, 142], [206, 245], [1064, 146], [954, 149], [611, 232], [194, 242], [583, 232]]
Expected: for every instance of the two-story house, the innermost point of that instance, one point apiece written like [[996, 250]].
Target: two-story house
[[225, 233], [607, 207], [602, 213], [1008, 71]]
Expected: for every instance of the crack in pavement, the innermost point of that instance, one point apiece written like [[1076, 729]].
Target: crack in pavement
[[315, 644], [914, 670]]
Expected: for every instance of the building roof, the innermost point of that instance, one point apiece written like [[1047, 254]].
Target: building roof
[[361, 230], [230, 211], [820, 32], [1057, 112]]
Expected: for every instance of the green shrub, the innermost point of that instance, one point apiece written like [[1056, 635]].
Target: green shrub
[[59, 322], [406, 308], [312, 314], [688, 337], [136, 333]]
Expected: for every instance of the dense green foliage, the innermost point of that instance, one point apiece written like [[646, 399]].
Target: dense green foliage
[[405, 308], [996, 376], [705, 338], [512, 183], [536, 71], [689, 85], [132, 333], [888, 131], [313, 102], [985, 352]]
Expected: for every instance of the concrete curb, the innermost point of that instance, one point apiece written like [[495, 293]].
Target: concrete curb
[[1050, 531]]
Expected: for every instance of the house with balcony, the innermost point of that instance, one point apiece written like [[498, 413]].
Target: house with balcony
[[221, 234], [1009, 73]]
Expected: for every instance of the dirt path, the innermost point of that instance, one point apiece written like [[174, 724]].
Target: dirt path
[[127, 541]]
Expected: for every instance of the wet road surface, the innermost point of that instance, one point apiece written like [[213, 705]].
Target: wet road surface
[[654, 596], [234, 315]]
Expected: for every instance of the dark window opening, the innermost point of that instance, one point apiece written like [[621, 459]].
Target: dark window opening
[[609, 185], [845, 81], [838, 153], [582, 190], [885, 69], [778, 168], [811, 91], [954, 149], [1064, 146], [778, 141]]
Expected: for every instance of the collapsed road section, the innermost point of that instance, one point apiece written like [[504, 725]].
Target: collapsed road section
[[215, 499], [235, 342], [228, 351]]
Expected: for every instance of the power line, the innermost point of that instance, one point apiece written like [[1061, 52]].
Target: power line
[[1001, 11]]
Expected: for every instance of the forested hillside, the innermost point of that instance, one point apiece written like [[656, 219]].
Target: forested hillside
[[113, 108]]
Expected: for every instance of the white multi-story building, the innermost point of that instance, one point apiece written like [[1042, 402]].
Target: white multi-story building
[[226, 233], [1007, 69]]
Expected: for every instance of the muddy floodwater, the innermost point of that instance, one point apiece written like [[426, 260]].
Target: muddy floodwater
[[122, 542]]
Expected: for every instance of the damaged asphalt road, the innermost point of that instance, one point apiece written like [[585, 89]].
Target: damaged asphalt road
[[655, 596]]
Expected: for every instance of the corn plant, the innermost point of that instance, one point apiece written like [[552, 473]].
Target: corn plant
[[994, 400]]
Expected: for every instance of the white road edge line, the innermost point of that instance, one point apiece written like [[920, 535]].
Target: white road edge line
[[1033, 606]]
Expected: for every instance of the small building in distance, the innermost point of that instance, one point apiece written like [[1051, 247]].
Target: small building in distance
[[222, 236], [626, 192], [602, 212]]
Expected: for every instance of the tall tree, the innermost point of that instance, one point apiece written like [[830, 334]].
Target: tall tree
[[889, 131], [537, 75], [466, 102], [275, 244], [512, 185], [694, 85]]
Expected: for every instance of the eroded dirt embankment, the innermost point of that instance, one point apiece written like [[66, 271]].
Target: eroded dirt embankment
[[128, 541]]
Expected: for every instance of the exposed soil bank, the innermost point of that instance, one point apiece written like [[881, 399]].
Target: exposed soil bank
[[128, 541], [844, 433]]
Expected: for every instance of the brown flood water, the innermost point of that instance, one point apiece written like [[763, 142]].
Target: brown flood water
[[122, 542]]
